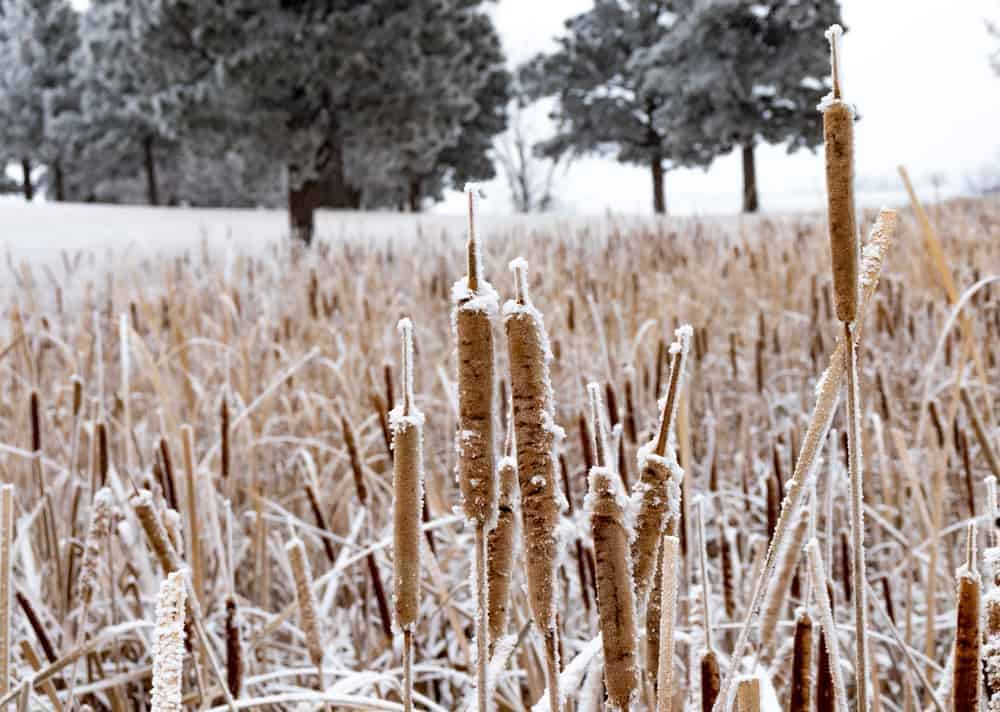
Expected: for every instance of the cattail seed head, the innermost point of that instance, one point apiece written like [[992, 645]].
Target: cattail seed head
[[535, 436], [168, 644], [615, 600], [838, 136], [966, 665], [407, 443], [306, 599]]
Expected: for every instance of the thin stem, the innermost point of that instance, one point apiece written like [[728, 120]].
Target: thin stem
[[857, 521], [482, 620], [408, 670], [600, 442], [705, 606], [670, 402], [471, 247], [406, 337]]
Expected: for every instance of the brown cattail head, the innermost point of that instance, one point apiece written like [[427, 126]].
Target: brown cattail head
[[535, 434], [711, 680], [615, 599], [475, 309], [408, 478], [168, 644], [306, 599], [800, 694], [156, 533], [500, 548], [838, 136], [966, 666], [748, 694], [234, 648]]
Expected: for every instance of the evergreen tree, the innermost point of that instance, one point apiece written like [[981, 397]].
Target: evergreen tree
[[605, 102], [37, 41], [744, 73], [357, 99]]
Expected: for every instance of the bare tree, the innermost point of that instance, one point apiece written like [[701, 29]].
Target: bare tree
[[530, 176]]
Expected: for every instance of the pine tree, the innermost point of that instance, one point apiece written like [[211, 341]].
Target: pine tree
[[37, 41], [745, 73], [606, 103]]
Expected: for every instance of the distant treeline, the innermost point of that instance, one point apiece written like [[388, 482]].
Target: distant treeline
[[382, 103]]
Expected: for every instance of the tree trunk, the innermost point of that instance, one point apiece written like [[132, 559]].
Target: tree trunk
[[659, 196], [302, 203], [149, 161], [413, 195], [27, 186], [750, 203], [58, 183]]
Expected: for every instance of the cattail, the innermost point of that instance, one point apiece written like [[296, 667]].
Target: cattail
[[408, 488], [476, 305], [168, 644], [660, 477], [965, 668], [991, 607], [234, 648], [615, 601], [193, 523], [306, 601], [156, 534], [748, 695], [711, 680], [668, 613], [535, 435], [97, 533], [500, 545], [224, 456], [800, 695], [6, 587], [838, 136]]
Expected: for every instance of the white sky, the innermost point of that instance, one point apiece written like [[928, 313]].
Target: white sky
[[918, 70]]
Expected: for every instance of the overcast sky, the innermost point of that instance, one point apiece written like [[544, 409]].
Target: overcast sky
[[918, 70]]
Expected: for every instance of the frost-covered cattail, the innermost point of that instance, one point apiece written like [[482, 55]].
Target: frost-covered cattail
[[407, 442], [306, 600], [407, 424], [500, 544], [156, 533], [97, 534], [476, 304], [670, 556], [965, 666], [711, 679], [991, 608], [615, 598], [234, 648], [168, 644], [838, 136], [535, 434], [659, 487]]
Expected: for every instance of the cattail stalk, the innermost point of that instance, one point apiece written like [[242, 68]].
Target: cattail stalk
[[838, 134], [475, 309], [168, 645], [981, 432], [6, 588], [194, 523], [668, 614], [615, 599], [535, 435], [408, 478]]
